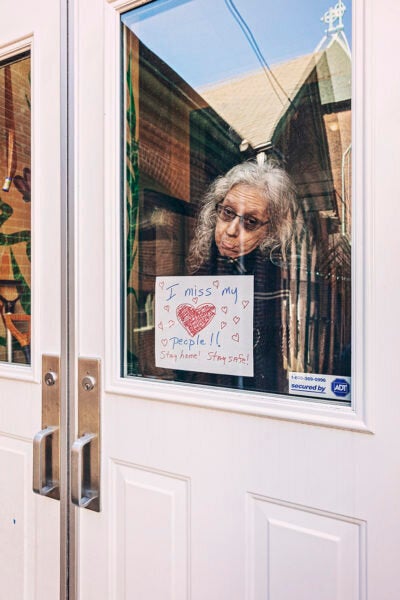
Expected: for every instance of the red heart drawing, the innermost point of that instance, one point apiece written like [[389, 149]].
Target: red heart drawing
[[235, 337], [167, 307], [216, 283], [224, 309], [236, 320], [194, 319], [161, 284], [223, 324], [245, 303], [160, 325], [164, 341], [195, 300]]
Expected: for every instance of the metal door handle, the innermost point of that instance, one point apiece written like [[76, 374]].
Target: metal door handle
[[85, 451], [43, 482], [46, 443], [82, 493]]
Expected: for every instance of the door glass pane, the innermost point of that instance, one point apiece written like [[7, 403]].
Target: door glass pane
[[237, 195], [15, 209]]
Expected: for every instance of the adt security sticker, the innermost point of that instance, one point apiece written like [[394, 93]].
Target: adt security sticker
[[340, 387], [332, 387]]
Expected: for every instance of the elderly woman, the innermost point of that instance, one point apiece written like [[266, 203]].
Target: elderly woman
[[243, 228]]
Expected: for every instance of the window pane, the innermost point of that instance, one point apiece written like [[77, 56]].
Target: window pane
[[15, 209], [237, 195]]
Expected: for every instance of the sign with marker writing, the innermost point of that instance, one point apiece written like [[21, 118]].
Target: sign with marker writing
[[205, 323]]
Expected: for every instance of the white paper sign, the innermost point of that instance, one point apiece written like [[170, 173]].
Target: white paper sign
[[205, 323]]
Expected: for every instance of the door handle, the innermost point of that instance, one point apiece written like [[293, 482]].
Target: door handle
[[43, 481], [46, 443], [85, 451], [82, 493]]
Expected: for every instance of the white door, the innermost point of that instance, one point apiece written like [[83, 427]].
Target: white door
[[29, 288], [210, 492]]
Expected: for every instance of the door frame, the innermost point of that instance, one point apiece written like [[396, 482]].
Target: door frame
[[358, 416], [68, 521]]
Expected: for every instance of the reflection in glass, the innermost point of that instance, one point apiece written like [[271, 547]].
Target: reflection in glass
[[15, 210], [210, 85]]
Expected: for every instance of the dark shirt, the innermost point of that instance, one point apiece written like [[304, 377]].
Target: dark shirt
[[270, 291]]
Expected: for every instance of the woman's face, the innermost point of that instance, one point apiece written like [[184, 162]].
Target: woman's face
[[232, 238]]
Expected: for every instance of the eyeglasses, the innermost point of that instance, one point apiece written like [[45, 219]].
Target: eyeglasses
[[250, 223]]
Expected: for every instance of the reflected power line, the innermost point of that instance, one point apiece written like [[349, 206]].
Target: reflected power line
[[257, 51]]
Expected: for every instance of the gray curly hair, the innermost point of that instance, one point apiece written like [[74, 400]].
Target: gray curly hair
[[276, 188]]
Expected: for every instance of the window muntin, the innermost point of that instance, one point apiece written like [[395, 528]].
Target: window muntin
[[15, 209], [193, 109]]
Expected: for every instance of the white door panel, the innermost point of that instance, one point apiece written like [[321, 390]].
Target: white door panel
[[29, 540], [207, 494]]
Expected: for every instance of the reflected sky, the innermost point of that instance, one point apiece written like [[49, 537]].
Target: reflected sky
[[203, 42]]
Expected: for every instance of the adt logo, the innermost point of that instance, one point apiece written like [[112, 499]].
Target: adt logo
[[340, 387]]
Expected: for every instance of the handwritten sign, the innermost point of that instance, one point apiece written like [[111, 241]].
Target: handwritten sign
[[205, 323]]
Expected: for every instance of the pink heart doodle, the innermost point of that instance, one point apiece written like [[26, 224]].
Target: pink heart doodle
[[171, 323], [216, 283], [195, 300], [245, 303], [224, 309], [161, 284], [167, 307], [235, 337], [160, 325], [195, 319], [164, 341], [236, 320], [223, 324]]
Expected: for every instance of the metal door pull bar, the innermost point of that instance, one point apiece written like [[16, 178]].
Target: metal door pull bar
[[81, 494], [43, 482]]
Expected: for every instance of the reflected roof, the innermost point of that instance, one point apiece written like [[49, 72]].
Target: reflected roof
[[254, 104]]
